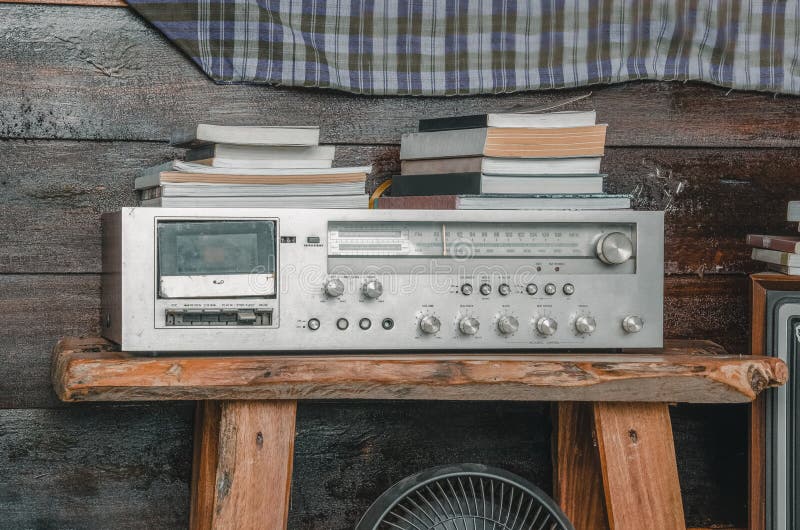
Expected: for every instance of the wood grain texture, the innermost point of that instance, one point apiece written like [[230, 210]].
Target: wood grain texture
[[92, 3], [577, 479], [54, 192], [251, 458], [689, 371], [96, 467], [637, 459], [204, 464], [118, 78]]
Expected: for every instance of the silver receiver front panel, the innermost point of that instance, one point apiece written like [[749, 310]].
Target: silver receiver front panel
[[376, 280]]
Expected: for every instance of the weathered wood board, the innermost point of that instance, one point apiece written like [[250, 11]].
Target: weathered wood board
[[118, 78]]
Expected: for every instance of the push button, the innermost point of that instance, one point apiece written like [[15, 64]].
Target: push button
[[313, 324], [342, 324]]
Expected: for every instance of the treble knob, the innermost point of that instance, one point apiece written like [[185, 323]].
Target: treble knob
[[430, 324], [614, 248], [546, 326], [507, 325], [585, 325], [334, 287], [372, 289], [469, 325]]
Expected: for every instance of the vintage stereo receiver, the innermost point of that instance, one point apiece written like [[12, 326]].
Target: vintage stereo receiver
[[186, 279]]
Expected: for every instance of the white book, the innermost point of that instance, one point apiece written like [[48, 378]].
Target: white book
[[776, 257], [337, 201], [234, 155], [792, 271], [503, 166], [182, 189], [205, 133], [541, 185]]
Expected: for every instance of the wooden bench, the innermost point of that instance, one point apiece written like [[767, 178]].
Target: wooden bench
[[614, 457]]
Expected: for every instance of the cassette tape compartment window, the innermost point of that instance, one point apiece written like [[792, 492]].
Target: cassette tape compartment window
[[216, 259]]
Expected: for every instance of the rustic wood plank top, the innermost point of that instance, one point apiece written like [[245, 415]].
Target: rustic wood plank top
[[683, 371]]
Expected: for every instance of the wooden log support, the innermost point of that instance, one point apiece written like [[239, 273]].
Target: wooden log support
[[637, 462], [242, 464], [684, 371]]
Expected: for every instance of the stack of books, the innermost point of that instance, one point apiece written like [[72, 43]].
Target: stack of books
[[230, 166], [780, 253], [504, 161]]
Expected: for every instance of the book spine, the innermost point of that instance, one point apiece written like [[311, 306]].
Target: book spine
[[447, 124], [434, 202], [442, 184], [782, 245]]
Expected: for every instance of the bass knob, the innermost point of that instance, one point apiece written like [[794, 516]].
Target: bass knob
[[507, 325]]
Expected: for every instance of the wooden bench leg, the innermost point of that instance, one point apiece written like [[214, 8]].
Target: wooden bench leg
[[637, 461], [615, 466], [242, 466], [578, 484]]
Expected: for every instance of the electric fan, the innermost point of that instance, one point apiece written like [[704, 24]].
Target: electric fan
[[464, 497]]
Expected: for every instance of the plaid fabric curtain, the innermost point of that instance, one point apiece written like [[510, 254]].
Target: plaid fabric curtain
[[448, 47]]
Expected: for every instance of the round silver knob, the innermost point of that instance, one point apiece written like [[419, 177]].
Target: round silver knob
[[504, 289], [507, 325], [550, 289], [372, 289], [531, 289], [585, 325], [334, 287], [485, 289], [546, 326], [430, 324], [632, 324], [614, 248], [469, 325]]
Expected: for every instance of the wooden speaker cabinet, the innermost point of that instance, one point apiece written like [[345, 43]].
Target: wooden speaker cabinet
[[773, 483]]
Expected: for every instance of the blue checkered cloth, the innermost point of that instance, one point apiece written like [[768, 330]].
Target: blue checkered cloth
[[449, 47]]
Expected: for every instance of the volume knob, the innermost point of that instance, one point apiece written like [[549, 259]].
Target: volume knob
[[334, 287], [372, 289], [614, 248], [469, 325], [546, 326], [585, 325], [430, 324], [507, 325]]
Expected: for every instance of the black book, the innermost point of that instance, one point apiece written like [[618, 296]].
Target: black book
[[479, 183], [511, 120]]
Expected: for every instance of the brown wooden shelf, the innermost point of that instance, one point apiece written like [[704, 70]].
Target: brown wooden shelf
[[684, 371]]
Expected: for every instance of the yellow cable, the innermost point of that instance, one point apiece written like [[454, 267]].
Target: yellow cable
[[378, 192]]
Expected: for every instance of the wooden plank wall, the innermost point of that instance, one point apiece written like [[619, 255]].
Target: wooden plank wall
[[88, 96]]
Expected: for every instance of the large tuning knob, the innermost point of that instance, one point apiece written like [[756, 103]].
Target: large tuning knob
[[614, 248], [507, 325], [372, 289], [632, 324], [430, 324], [334, 287], [469, 325], [546, 326]]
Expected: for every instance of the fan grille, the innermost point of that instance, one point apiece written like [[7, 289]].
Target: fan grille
[[466, 501]]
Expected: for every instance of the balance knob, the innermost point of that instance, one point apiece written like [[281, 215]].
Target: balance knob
[[334, 287], [469, 325], [430, 324], [585, 325], [507, 325], [372, 289], [614, 248], [546, 326], [632, 324]]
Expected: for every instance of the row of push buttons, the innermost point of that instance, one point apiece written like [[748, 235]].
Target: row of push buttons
[[504, 289], [342, 324]]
